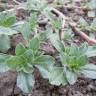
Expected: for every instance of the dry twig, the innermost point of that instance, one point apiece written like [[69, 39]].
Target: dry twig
[[63, 21], [72, 24], [82, 34]]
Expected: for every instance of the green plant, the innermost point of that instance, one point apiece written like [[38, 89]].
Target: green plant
[[75, 61], [24, 62], [6, 22]]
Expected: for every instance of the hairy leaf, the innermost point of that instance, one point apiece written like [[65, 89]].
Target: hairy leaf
[[57, 77], [4, 43], [25, 82], [89, 71]]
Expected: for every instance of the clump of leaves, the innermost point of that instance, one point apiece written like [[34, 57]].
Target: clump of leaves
[[24, 62], [75, 61], [6, 22]]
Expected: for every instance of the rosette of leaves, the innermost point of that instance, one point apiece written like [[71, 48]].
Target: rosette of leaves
[[75, 61], [24, 62]]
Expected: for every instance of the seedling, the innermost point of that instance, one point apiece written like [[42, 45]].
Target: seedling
[[75, 62], [24, 62]]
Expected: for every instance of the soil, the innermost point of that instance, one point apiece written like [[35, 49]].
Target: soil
[[83, 86]]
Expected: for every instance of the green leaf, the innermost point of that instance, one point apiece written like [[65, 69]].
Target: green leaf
[[56, 24], [16, 62], [20, 49], [57, 77], [54, 38], [89, 71], [28, 56], [44, 63], [71, 76], [34, 44], [44, 59], [3, 57], [91, 52], [33, 20], [6, 20], [44, 70], [4, 43], [26, 30], [27, 69], [7, 31], [4, 68], [25, 82]]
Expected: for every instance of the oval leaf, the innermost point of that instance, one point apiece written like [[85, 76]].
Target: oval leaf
[[89, 71], [25, 82]]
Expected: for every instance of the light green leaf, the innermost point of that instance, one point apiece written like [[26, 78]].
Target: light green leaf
[[26, 30], [6, 20], [3, 57], [44, 64], [43, 70], [16, 62], [25, 82], [4, 68], [4, 43], [7, 31], [34, 44], [54, 38], [89, 71], [56, 24], [44, 59], [91, 52], [71, 76], [57, 77], [33, 21], [28, 55], [20, 49], [27, 69]]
